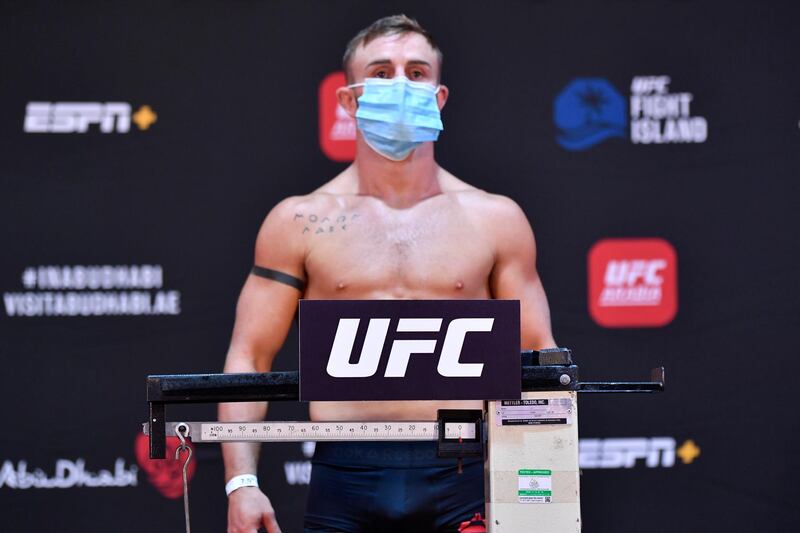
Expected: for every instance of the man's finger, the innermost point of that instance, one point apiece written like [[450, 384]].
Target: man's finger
[[270, 523]]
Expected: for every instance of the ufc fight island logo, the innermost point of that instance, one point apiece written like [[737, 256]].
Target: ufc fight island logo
[[633, 282], [409, 350], [79, 117], [339, 365]]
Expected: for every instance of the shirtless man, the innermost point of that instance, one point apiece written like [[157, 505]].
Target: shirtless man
[[393, 225]]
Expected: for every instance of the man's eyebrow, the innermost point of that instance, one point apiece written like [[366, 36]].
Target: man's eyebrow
[[389, 62], [380, 62]]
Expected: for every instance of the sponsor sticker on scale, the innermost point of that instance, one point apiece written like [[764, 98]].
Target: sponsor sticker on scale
[[535, 486], [532, 412]]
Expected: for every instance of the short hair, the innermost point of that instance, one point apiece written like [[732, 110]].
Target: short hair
[[392, 25]]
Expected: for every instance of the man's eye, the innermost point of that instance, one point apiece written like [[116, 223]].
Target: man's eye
[[416, 74], [380, 74]]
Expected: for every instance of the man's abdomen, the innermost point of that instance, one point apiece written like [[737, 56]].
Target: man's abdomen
[[406, 410]]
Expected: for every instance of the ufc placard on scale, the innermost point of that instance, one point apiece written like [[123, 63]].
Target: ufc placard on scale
[[409, 349]]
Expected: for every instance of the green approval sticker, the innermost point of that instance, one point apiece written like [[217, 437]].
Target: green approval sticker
[[535, 486]]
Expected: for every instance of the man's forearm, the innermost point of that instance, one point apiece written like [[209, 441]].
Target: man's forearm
[[241, 457]]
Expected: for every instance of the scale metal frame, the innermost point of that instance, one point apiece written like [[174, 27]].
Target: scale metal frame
[[518, 454]]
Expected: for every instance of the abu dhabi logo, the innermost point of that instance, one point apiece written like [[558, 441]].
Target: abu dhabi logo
[[68, 474], [589, 111], [77, 117]]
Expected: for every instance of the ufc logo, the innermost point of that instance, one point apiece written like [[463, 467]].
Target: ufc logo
[[339, 365], [630, 272], [76, 117], [650, 84]]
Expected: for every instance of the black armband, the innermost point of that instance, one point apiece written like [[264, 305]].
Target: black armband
[[280, 277]]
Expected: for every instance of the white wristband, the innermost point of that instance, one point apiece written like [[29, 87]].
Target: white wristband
[[237, 482]]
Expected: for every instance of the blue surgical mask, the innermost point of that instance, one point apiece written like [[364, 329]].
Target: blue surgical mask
[[396, 115]]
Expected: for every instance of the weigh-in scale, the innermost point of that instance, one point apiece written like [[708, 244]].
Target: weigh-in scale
[[530, 445]]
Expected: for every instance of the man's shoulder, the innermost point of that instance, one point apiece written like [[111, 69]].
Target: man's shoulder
[[292, 208], [286, 222], [478, 199], [486, 204], [324, 196], [502, 221]]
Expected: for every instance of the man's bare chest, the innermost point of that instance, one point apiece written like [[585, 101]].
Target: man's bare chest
[[435, 251]]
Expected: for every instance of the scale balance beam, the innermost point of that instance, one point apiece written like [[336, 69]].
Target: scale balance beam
[[541, 371]]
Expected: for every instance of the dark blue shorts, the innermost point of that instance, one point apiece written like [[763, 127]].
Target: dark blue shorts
[[388, 487]]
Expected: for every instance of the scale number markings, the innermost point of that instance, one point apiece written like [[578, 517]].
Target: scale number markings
[[319, 431]]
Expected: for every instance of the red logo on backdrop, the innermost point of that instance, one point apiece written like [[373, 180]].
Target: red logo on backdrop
[[633, 283], [337, 129], [166, 475]]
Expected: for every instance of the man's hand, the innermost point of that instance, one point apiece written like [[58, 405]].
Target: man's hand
[[248, 510]]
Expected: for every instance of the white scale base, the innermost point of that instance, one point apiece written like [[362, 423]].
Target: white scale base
[[532, 475]]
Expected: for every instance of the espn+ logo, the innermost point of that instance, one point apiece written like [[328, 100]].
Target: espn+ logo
[[624, 453], [449, 365], [78, 117], [653, 452], [633, 282]]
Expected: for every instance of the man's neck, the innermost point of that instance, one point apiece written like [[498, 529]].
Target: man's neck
[[399, 184]]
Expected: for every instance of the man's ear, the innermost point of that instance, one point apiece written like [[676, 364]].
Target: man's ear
[[347, 99], [441, 96]]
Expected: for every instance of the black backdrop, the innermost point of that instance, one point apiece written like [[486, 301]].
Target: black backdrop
[[235, 85]]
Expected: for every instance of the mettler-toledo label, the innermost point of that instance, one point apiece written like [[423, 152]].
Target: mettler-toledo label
[[534, 412]]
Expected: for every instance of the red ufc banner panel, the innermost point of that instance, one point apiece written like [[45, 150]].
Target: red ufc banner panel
[[633, 283], [409, 350], [337, 129]]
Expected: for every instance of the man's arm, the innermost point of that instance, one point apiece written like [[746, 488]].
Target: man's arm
[[264, 315], [514, 275]]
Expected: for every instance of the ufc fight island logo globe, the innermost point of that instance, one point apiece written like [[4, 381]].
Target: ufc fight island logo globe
[[588, 111]]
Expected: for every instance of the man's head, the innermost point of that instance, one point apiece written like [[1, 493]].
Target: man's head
[[390, 48], [396, 29]]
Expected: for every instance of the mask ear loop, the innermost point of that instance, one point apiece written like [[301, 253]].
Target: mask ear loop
[[355, 86]]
